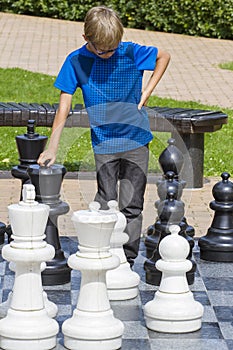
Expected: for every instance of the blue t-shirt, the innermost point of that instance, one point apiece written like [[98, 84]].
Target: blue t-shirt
[[111, 91]]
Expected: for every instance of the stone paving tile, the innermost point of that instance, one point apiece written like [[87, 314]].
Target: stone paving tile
[[79, 192]]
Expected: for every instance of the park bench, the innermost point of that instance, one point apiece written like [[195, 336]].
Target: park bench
[[187, 127]]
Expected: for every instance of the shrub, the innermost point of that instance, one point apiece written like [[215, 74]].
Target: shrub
[[210, 18]]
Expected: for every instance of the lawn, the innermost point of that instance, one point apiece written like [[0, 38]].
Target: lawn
[[75, 150], [226, 65]]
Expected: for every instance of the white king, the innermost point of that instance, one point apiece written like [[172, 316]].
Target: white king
[[27, 324]]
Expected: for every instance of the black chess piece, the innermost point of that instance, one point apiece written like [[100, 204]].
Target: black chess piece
[[2, 232], [217, 244], [170, 182], [172, 159], [29, 145], [47, 182], [170, 212], [164, 186]]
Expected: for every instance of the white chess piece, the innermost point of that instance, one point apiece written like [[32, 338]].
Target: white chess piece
[[93, 325], [50, 307], [173, 309], [122, 282], [27, 324]]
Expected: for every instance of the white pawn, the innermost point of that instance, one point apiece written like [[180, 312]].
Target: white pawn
[[122, 282], [173, 309], [27, 324], [93, 325]]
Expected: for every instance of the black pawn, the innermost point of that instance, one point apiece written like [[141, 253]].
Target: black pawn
[[217, 244], [168, 184], [170, 212], [172, 159], [47, 182]]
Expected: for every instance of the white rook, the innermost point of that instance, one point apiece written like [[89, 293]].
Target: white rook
[[27, 324], [93, 325], [173, 309]]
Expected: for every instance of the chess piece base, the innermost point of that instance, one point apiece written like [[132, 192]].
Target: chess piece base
[[32, 330], [173, 313], [218, 256], [92, 330], [173, 327], [122, 294], [217, 245], [55, 274], [122, 283]]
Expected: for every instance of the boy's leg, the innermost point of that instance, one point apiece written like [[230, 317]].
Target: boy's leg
[[133, 178], [107, 171], [131, 168]]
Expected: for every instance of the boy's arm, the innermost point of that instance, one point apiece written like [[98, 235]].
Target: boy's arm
[[162, 61], [49, 155]]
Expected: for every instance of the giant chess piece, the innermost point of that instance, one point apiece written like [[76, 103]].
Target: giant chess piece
[[93, 325], [27, 324], [164, 186], [173, 309], [47, 182], [122, 282], [170, 212], [51, 308], [217, 244], [2, 232], [172, 159], [29, 145]]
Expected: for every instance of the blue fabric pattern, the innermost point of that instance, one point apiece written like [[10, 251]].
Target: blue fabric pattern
[[111, 90]]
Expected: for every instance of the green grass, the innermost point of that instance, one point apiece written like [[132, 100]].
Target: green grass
[[226, 65], [20, 85], [75, 150]]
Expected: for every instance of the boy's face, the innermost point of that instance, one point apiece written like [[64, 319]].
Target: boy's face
[[103, 53]]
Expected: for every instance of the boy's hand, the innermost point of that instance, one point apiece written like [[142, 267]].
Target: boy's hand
[[46, 158], [144, 99]]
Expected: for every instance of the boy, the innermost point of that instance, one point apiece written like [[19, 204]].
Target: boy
[[109, 73]]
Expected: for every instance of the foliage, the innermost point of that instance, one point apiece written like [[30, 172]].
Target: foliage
[[210, 18]]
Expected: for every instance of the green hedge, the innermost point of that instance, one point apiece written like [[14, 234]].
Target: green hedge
[[210, 18]]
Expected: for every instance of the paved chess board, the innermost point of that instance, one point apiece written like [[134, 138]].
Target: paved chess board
[[213, 287]]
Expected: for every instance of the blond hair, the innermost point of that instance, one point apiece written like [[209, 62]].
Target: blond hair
[[103, 27]]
